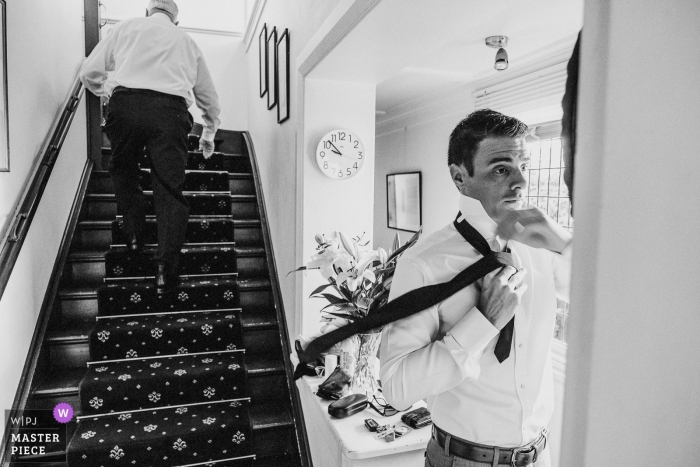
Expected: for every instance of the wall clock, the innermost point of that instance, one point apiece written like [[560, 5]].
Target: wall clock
[[340, 154]]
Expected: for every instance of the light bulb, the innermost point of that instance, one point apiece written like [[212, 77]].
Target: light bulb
[[501, 60]]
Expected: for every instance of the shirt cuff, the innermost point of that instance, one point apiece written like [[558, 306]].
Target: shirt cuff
[[208, 134], [472, 333]]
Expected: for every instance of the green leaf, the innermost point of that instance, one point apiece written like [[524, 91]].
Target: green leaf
[[408, 244], [397, 242], [342, 315], [345, 292], [321, 289], [333, 299], [303, 268]]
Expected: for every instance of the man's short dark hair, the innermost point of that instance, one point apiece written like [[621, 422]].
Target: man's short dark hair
[[477, 126]]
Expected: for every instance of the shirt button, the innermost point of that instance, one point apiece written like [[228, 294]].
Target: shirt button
[[520, 346], [522, 386]]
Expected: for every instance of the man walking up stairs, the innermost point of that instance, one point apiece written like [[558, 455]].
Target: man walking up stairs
[[155, 68]]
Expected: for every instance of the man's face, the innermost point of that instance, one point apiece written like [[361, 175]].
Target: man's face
[[500, 175]]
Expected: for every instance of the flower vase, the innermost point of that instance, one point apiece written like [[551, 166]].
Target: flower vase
[[363, 377]]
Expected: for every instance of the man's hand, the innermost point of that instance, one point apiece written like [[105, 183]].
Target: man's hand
[[501, 292], [534, 228], [207, 147]]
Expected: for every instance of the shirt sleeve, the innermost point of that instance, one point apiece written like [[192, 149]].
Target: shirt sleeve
[[93, 72], [414, 363], [561, 266], [206, 98]]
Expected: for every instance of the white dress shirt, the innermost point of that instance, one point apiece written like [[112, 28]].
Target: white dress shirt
[[152, 53], [445, 354]]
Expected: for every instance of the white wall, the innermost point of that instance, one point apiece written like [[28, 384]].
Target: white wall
[[41, 69], [275, 144], [633, 377], [417, 141], [226, 60], [329, 204], [222, 15]]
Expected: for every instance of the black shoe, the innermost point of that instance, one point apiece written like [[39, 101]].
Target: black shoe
[[165, 282], [134, 243]]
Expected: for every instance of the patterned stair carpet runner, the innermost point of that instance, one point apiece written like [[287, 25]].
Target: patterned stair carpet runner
[[120, 262], [182, 436], [199, 230], [120, 386], [166, 381], [155, 335], [210, 180], [137, 297]]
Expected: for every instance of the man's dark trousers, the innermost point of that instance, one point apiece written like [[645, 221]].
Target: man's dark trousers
[[160, 123]]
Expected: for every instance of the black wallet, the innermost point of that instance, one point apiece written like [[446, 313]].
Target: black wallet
[[417, 418], [334, 386]]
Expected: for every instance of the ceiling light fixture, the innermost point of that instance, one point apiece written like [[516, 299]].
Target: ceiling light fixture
[[499, 42]]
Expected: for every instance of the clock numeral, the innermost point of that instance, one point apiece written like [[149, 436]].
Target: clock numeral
[[356, 143], [327, 144], [354, 166], [350, 137], [341, 136], [323, 153], [333, 172], [340, 174], [348, 170], [360, 155], [325, 165]]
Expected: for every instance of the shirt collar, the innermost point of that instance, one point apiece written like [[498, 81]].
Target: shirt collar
[[476, 215]]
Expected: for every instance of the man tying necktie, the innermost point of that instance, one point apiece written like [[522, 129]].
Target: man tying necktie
[[481, 357]]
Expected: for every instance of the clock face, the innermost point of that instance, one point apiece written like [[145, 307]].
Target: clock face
[[340, 154]]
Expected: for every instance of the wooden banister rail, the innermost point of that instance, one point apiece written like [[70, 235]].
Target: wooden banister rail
[[29, 202]]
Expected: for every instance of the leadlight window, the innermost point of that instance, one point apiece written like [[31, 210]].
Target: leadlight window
[[548, 192]]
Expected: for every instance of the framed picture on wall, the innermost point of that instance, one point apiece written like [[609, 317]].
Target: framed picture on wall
[[271, 68], [4, 129], [283, 76], [262, 54], [403, 198]]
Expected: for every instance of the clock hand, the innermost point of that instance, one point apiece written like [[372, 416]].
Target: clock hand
[[336, 150]]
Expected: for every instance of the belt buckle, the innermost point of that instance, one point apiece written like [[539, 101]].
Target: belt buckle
[[529, 448], [522, 450]]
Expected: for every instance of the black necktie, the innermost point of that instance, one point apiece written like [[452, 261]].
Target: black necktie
[[412, 302], [471, 235]]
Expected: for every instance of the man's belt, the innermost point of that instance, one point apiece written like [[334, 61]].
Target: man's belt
[[149, 92], [520, 456]]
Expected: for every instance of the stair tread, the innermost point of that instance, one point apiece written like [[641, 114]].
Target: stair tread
[[79, 331], [87, 255], [65, 381], [247, 251], [112, 196], [235, 175], [109, 151], [269, 416], [106, 223], [254, 283], [79, 291], [252, 321]]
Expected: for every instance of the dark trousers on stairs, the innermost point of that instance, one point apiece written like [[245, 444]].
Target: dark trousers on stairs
[[139, 118]]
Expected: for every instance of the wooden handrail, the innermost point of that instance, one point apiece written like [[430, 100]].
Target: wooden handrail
[[29, 202]]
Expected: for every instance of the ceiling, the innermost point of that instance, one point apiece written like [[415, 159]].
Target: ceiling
[[414, 48]]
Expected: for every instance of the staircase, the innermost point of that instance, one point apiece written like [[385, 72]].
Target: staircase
[[106, 304]]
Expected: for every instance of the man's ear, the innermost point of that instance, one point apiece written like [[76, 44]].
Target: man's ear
[[458, 173]]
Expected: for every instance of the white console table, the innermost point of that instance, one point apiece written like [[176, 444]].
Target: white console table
[[347, 443]]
